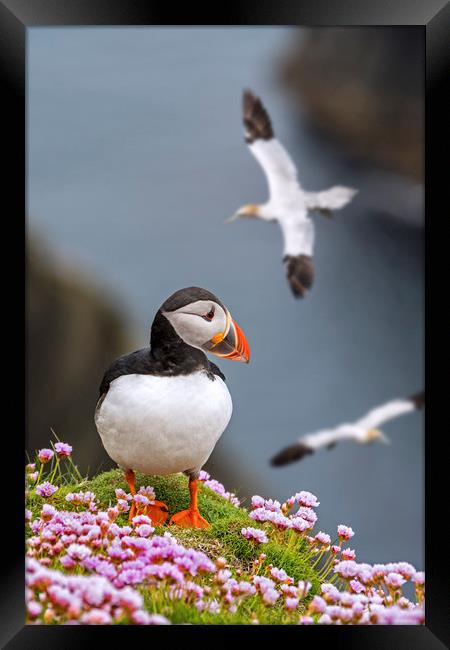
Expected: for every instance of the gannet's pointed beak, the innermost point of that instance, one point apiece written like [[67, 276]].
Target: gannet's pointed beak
[[233, 217], [376, 434], [384, 439], [231, 344]]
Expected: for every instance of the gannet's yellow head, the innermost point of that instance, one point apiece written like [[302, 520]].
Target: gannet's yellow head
[[248, 210], [376, 434]]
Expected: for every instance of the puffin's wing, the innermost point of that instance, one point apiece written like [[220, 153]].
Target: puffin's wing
[[277, 164], [216, 370], [328, 200], [386, 412], [136, 362], [298, 236]]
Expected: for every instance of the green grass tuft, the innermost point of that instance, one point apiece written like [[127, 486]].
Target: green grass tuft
[[285, 549]]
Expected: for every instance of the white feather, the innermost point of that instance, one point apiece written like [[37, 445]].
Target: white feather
[[298, 235], [358, 431], [278, 166], [163, 425], [332, 199], [385, 412]]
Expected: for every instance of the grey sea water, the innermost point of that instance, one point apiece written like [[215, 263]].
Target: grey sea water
[[135, 159]]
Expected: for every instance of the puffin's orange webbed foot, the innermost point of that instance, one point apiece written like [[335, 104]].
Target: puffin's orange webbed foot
[[157, 511], [132, 511], [189, 519]]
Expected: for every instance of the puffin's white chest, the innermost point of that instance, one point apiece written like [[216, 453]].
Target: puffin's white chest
[[163, 425]]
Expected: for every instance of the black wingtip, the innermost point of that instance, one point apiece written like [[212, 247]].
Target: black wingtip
[[290, 454], [256, 119], [300, 273], [418, 399]]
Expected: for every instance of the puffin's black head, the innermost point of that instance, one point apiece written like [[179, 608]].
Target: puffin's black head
[[202, 321]]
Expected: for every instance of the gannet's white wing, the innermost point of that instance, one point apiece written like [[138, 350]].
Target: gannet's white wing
[[333, 199], [390, 410], [298, 238], [325, 437], [310, 442], [275, 161]]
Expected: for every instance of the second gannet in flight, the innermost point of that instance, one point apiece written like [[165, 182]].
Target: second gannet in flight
[[288, 203], [363, 431]]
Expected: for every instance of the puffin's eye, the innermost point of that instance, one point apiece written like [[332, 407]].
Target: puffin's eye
[[210, 315]]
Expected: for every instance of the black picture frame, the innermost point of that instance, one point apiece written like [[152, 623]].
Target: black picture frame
[[433, 16]]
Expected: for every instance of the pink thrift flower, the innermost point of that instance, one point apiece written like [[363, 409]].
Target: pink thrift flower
[[345, 532], [348, 554], [330, 593], [325, 619], [141, 500], [144, 530], [317, 605], [223, 575], [257, 501], [148, 492], [306, 620], [280, 575], [306, 499], [270, 596], [306, 513], [96, 617], [67, 561], [394, 580], [255, 534], [48, 512], [34, 609], [304, 588], [356, 586], [346, 569], [78, 551], [291, 603], [46, 489], [300, 525], [121, 494], [406, 570], [157, 619], [63, 449], [419, 578], [323, 538], [122, 505], [45, 455]]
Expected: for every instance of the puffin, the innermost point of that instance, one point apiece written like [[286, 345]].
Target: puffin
[[288, 202], [363, 431], [162, 409]]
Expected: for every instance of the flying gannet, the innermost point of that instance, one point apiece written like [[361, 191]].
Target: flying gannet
[[288, 203], [363, 431]]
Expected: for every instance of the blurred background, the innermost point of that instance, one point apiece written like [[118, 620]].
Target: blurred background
[[136, 157]]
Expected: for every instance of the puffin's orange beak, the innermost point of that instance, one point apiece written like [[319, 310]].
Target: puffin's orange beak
[[231, 344]]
